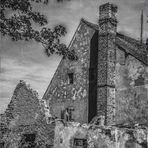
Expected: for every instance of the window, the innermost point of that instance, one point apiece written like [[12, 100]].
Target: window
[[80, 143], [70, 78], [62, 114], [2, 144], [28, 141], [70, 110], [29, 137], [67, 114], [139, 81]]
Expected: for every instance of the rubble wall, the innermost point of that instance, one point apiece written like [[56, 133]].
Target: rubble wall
[[61, 94], [75, 135], [24, 107], [131, 89], [25, 115]]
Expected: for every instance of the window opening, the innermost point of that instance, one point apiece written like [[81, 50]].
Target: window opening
[[80, 143], [70, 78], [67, 114], [28, 141]]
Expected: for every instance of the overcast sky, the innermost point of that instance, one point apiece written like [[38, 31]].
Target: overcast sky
[[27, 61]]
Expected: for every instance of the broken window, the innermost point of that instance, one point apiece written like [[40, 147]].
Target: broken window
[[80, 143], [70, 110], [139, 81], [67, 114], [70, 78]]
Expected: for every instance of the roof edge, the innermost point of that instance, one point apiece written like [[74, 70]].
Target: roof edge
[[92, 25], [44, 96], [133, 39]]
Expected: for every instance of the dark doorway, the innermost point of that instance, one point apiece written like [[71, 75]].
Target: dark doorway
[[2, 144], [92, 101], [28, 141]]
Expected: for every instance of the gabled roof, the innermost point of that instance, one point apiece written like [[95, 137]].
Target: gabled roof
[[92, 25], [128, 44]]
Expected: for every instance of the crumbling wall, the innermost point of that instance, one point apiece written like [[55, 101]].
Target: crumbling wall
[[75, 135], [25, 117], [61, 94], [24, 107], [131, 89]]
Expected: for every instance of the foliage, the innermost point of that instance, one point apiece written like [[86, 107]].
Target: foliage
[[18, 20], [134, 108]]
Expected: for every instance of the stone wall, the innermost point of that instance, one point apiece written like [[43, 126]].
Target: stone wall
[[131, 89], [75, 135], [24, 121], [61, 94]]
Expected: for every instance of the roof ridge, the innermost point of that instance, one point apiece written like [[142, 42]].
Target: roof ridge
[[92, 25], [131, 39], [96, 27]]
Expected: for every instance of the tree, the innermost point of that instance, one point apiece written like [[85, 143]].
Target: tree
[[19, 25]]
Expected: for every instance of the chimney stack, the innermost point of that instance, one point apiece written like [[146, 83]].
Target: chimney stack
[[106, 62], [107, 18]]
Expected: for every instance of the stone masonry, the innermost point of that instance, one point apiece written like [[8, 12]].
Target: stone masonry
[[106, 62], [97, 101], [24, 124], [109, 80]]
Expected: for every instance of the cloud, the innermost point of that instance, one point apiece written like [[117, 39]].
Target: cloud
[[74, 5], [38, 75]]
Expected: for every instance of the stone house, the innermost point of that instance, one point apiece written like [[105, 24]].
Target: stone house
[[108, 82], [97, 101]]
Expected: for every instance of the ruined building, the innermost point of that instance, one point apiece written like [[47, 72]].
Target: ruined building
[[23, 124], [106, 87], [108, 81]]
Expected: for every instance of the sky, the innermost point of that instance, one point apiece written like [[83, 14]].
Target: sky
[[27, 60]]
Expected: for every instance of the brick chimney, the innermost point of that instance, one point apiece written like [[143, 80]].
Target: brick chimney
[[106, 62]]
